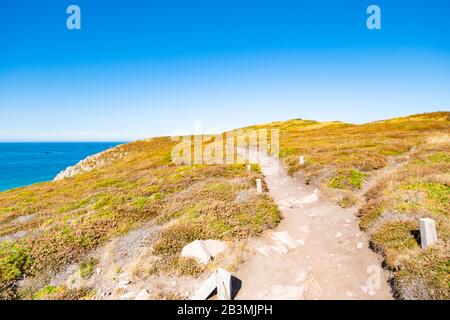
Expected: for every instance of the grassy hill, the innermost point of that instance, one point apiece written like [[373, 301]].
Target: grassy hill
[[394, 172], [47, 226]]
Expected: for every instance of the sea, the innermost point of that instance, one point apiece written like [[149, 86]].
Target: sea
[[25, 163]]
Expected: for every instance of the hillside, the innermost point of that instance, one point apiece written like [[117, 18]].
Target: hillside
[[389, 172]]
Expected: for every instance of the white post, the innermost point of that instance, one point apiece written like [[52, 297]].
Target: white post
[[223, 284], [220, 279], [302, 160], [258, 185], [207, 288], [427, 232], [249, 168]]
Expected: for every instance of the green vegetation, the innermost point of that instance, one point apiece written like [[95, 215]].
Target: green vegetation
[[351, 179], [71, 217], [345, 157], [138, 183], [419, 188], [87, 267]]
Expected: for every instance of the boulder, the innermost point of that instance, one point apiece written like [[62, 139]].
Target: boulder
[[203, 250], [214, 247]]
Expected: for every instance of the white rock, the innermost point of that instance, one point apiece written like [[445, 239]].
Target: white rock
[[359, 245], [264, 250], [197, 250], [338, 234], [143, 295], [203, 251], [98, 270], [123, 283], [280, 249], [308, 199], [284, 238], [214, 247]]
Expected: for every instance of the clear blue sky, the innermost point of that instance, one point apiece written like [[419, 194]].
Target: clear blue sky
[[146, 68]]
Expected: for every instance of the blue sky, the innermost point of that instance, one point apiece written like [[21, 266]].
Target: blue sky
[[144, 68]]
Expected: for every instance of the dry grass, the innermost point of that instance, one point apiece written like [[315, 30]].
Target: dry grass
[[73, 216], [418, 189], [61, 222], [344, 157]]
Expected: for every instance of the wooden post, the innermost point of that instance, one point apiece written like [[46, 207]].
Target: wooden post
[[427, 232], [302, 160], [258, 185]]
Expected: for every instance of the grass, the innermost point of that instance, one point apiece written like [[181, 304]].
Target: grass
[[420, 188], [343, 158], [138, 183], [348, 179], [73, 216], [87, 267]]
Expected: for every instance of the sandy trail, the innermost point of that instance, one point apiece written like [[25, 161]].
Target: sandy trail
[[316, 252]]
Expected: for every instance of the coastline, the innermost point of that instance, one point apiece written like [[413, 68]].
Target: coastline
[[27, 163]]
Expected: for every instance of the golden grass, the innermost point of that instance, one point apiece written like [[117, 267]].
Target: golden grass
[[73, 216]]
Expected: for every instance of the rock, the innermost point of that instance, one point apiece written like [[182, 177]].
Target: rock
[[308, 199], [143, 295], [23, 219], [338, 234], [284, 238], [124, 282], [427, 232], [359, 245], [203, 251], [92, 162], [264, 250], [17, 235], [214, 247], [98, 270], [279, 249], [196, 250]]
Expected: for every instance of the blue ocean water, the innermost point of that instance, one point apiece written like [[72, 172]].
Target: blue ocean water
[[25, 163]]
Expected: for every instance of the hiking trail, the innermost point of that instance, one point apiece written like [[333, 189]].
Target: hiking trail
[[316, 252]]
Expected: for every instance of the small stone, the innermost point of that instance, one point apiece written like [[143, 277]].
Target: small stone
[[338, 234], [359, 245], [98, 270], [124, 282], [308, 199], [284, 238]]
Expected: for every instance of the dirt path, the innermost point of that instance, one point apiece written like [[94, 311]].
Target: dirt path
[[316, 252]]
